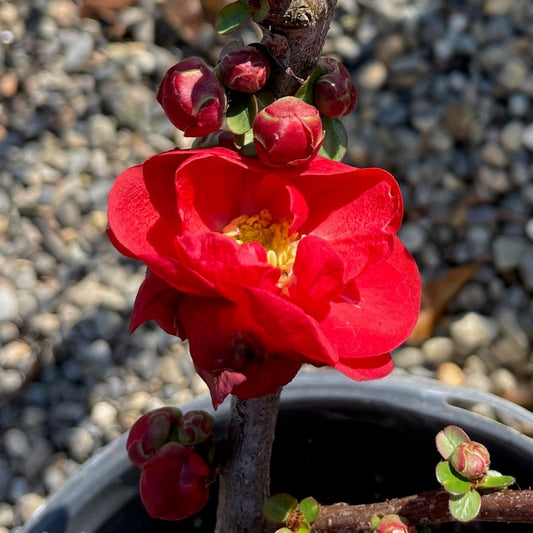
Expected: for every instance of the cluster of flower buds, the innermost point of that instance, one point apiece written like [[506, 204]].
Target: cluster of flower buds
[[175, 475], [288, 131]]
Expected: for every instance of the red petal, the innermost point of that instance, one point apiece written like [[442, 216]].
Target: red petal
[[289, 327], [318, 276], [366, 368], [387, 310], [156, 300], [228, 349]]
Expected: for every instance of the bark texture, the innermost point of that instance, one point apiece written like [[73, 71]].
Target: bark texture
[[427, 508], [294, 34], [245, 478]]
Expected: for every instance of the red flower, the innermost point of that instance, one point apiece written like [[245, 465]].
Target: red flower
[[175, 482], [265, 269]]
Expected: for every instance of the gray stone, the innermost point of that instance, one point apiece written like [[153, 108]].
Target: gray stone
[[473, 330], [9, 307], [508, 251], [438, 350], [527, 137]]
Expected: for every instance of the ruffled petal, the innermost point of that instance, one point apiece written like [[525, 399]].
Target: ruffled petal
[[381, 314], [318, 277], [230, 353]]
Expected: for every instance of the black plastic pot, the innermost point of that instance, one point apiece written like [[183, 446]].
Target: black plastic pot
[[336, 440]]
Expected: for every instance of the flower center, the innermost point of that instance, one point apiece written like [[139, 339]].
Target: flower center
[[273, 236]]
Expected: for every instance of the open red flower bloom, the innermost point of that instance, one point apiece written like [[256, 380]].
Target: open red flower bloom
[[264, 269]]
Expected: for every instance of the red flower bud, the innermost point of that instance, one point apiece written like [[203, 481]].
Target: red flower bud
[[471, 460], [174, 482], [392, 523], [245, 69], [334, 93], [192, 97], [288, 132], [195, 427], [150, 432]]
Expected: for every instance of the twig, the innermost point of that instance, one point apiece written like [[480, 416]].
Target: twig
[[427, 508], [245, 478]]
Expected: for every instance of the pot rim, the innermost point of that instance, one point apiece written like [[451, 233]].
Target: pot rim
[[398, 393]]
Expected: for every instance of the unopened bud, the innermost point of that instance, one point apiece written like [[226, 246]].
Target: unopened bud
[[471, 460], [193, 97], [287, 132], [334, 92], [245, 69], [392, 523], [175, 482], [150, 432], [195, 427]]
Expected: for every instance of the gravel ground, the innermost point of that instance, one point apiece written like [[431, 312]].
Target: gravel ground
[[445, 103]]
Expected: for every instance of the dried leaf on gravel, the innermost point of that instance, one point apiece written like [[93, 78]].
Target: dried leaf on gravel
[[106, 10], [186, 17]]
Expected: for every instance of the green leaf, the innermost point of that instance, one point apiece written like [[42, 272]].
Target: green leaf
[[450, 481], [245, 143], [278, 508], [309, 508], [374, 522], [449, 438], [241, 114], [305, 527], [336, 141], [261, 13], [465, 507], [232, 17], [495, 481], [283, 530], [306, 91], [264, 98]]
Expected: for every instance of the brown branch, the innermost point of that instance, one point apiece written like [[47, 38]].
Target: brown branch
[[245, 478], [294, 34], [427, 508]]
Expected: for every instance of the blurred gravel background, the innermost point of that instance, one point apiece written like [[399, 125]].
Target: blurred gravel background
[[445, 103]]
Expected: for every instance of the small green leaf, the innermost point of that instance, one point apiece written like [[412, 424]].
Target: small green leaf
[[374, 522], [465, 507], [306, 91], [264, 98], [278, 508], [305, 527], [450, 481], [232, 17], [283, 530], [241, 114], [336, 141], [309, 508], [448, 439], [495, 481], [245, 143], [262, 12]]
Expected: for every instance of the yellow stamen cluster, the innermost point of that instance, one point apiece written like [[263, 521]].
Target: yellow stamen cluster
[[273, 236]]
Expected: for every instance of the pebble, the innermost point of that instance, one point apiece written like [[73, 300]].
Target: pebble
[[473, 331], [508, 250], [451, 374]]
